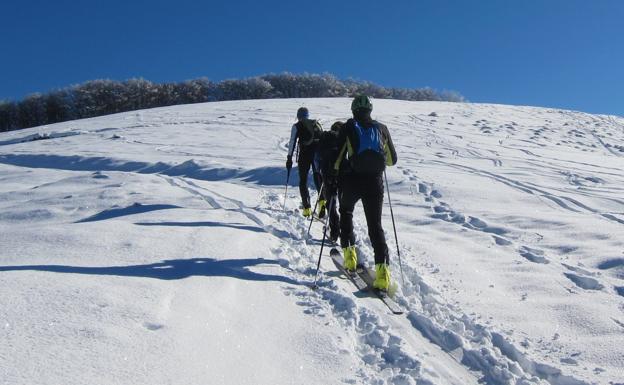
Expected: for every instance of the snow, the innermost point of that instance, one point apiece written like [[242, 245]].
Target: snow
[[151, 247]]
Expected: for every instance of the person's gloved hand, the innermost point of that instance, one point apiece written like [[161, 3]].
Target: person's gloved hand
[[289, 162]]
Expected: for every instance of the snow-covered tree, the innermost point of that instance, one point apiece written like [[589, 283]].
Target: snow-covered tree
[[8, 116], [251, 88], [105, 96], [32, 111]]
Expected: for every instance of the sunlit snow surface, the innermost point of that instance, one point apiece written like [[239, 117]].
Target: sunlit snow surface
[[151, 247]]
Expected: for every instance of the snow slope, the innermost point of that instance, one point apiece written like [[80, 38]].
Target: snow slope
[[151, 247]]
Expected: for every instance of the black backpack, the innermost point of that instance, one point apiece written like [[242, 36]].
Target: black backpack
[[309, 131], [327, 150]]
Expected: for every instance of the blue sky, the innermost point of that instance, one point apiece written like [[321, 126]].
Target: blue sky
[[555, 53]]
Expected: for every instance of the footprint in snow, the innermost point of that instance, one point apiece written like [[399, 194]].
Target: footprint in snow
[[500, 241], [613, 265], [533, 255], [152, 326], [586, 283]]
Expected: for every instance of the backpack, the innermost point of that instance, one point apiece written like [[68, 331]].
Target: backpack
[[309, 131], [327, 151], [370, 156]]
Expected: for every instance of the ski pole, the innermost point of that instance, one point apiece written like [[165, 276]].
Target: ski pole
[[318, 264], [286, 192], [396, 239], [315, 205]]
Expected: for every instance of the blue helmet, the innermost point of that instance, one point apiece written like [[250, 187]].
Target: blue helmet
[[303, 113]]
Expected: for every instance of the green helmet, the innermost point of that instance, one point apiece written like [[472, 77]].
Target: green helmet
[[361, 102]]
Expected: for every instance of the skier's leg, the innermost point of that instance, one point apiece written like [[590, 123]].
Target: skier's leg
[[372, 200], [334, 218], [304, 168], [321, 189], [318, 180], [348, 197]]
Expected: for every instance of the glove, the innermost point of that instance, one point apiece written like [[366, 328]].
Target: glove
[[289, 162]]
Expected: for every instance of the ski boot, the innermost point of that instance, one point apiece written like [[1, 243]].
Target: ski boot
[[350, 258], [382, 278], [307, 211], [322, 204]]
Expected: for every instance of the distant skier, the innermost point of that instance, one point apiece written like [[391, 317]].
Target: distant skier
[[326, 154], [365, 149], [306, 132]]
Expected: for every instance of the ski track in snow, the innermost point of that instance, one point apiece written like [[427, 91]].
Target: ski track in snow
[[388, 347], [377, 346]]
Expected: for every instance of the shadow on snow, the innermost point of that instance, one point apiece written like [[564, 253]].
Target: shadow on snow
[[255, 229], [136, 208], [268, 176], [172, 269]]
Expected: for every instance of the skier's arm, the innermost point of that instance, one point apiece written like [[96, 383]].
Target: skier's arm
[[293, 139], [391, 155], [342, 149]]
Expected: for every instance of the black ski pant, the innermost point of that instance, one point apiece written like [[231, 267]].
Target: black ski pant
[[305, 161], [370, 189], [329, 193]]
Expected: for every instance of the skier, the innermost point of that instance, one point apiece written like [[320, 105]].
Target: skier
[[306, 131], [365, 149], [326, 154]]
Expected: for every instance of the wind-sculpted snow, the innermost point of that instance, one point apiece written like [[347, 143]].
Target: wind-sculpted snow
[[153, 247], [39, 136]]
